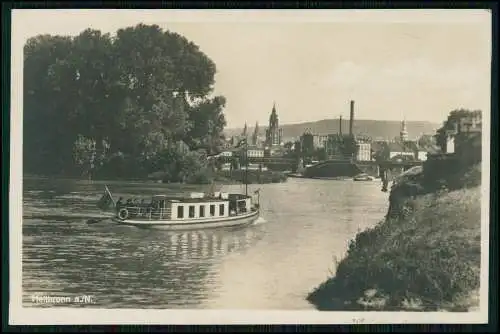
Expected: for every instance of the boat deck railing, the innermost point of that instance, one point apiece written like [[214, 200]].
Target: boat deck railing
[[148, 213]]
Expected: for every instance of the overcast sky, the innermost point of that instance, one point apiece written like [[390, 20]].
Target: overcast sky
[[417, 65]]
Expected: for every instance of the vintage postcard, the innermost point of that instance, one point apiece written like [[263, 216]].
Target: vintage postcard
[[249, 166]]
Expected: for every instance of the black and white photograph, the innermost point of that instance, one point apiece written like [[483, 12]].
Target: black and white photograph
[[249, 166]]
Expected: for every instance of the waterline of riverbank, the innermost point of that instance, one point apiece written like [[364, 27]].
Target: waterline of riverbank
[[235, 177], [425, 258]]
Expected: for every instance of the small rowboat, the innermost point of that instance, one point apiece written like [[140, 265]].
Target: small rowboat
[[198, 211], [363, 177]]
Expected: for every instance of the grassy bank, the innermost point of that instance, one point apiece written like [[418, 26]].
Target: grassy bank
[[426, 257]]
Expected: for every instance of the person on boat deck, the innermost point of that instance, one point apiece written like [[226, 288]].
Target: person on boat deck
[[129, 202], [119, 204]]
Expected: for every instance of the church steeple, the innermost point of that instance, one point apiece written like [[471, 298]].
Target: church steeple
[[255, 134], [244, 134], [273, 119], [404, 132], [273, 132]]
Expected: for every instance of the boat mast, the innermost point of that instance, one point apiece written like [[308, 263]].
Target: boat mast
[[246, 167]]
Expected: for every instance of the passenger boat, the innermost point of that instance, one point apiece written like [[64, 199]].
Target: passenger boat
[[199, 210]]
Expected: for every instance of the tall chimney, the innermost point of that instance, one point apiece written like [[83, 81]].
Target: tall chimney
[[340, 125], [351, 120]]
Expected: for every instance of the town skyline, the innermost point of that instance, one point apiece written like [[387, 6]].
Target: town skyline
[[376, 129], [251, 124], [288, 62]]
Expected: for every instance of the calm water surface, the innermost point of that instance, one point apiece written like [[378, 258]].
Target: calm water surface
[[304, 225]]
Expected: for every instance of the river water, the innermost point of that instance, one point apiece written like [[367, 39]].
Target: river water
[[304, 226]]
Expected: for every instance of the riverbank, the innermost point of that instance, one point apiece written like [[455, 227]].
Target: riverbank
[[252, 176], [235, 177], [425, 256]]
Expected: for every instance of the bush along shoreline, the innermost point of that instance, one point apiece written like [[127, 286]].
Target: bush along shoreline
[[425, 255]]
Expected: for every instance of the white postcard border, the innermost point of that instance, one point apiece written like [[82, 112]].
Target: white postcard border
[[19, 315]]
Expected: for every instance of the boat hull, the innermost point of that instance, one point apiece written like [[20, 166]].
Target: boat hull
[[227, 222]]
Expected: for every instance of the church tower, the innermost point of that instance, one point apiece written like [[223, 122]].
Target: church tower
[[244, 134], [273, 133], [255, 135], [403, 135]]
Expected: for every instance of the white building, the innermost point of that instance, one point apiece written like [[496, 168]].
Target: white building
[[392, 154], [402, 149], [364, 152], [254, 167], [226, 167], [422, 155], [450, 144], [255, 153], [319, 141]]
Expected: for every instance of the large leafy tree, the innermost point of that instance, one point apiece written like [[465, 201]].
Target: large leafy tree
[[207, 123], [48, 102], [139, 92], [95, 98]]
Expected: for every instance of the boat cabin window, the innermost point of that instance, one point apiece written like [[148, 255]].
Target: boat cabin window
[[191, 211], [221, 209], [202, 211], [180, 211], [212, 210], [162, 204]]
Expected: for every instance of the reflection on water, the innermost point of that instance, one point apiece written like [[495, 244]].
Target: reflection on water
[[270, 265]]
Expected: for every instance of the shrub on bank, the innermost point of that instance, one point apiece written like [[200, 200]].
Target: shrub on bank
[[202, 176], [451, 173]]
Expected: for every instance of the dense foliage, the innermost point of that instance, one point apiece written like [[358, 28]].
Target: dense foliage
[[119, 106], [452, 124]]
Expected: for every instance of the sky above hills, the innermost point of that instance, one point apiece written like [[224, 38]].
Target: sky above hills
[[417, 65]]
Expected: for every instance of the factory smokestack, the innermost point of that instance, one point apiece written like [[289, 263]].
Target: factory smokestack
[[340, 125], [351, 120]]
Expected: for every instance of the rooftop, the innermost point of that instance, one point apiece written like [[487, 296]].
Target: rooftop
[[406, 146]]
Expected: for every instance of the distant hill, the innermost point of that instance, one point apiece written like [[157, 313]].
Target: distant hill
[[376, 129]]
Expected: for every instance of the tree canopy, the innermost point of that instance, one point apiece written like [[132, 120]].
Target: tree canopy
[[117, 104], [452, 124]]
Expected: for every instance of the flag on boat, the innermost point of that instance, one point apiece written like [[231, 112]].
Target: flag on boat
[[241, 142], [106, 200]]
